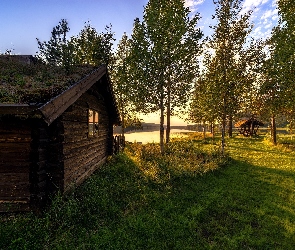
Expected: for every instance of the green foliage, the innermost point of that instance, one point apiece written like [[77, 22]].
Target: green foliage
[[91, 47], [281, 65], [277, 85], [164, 58], [122, 81], [56, 51], [204, 105], [229, 65], [161, 167], [227, 78], [88, 47]]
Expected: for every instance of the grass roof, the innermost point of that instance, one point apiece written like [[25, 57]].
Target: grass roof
[[34, 82]]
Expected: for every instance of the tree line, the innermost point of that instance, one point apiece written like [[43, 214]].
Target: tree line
[[168, 66]]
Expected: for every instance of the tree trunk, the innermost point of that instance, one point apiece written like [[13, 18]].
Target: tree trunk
[[252, 128], [223, 135], [230, 126], [223, 127], [291, 129], [204, 130], [168, 114], [162, 126], [212, 132], [273, 130], [123, 124]]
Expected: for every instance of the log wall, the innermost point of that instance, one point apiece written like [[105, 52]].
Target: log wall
[[37, 160], [15, 143], [84, 154], [31, 162], [46, 158]]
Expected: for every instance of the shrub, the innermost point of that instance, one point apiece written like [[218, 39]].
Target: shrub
[[181, 157]]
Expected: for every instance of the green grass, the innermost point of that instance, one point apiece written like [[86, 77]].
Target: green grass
[[137, 201], [23, 83]]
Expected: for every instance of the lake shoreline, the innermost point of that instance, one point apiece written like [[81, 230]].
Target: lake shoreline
[[141, 136]]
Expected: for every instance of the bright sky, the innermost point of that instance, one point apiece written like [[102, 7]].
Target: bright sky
[[22, 21]]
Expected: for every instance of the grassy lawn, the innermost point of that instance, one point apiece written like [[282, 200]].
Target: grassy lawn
[[141, 200]]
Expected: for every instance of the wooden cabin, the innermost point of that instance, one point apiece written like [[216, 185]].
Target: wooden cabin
[[54, 146]]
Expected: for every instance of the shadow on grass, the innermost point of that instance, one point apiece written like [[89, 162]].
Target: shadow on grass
[[240, 206]]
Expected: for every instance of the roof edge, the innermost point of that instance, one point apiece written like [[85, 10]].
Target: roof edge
[[56, 106], [18, 109]]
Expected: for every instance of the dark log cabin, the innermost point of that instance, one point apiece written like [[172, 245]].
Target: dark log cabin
[[55, 146]]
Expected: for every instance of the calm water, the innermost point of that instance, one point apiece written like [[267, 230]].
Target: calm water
[[152, 136]]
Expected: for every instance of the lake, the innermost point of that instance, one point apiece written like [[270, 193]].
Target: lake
[[153, 136]]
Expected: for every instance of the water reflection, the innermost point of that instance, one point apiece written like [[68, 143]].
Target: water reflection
[[153, 136]]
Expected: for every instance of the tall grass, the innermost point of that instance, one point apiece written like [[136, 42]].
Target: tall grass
[[144, 200]]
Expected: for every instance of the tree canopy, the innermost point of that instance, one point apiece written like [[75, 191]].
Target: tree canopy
[[164, 58], [88, 47], [226, 64], [158, 69]]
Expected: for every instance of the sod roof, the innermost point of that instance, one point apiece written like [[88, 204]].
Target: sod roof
[[29, 88], [24, 80]]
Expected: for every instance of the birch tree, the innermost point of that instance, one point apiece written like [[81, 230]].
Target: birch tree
[[230, 71], [165, 46], [283, 39], [204, 104], [278, 89], [121, 78]]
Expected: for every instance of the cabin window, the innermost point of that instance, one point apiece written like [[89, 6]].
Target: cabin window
[[93, 119]]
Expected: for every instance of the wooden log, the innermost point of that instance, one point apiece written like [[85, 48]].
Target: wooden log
[[72, 164], [71, 183], [17, 109], [77, 152], [74, 169], [16, 167]]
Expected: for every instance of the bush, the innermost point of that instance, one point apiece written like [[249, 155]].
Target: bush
[[181, 157]]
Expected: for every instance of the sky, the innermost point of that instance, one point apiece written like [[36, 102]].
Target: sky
[[22, 21]]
